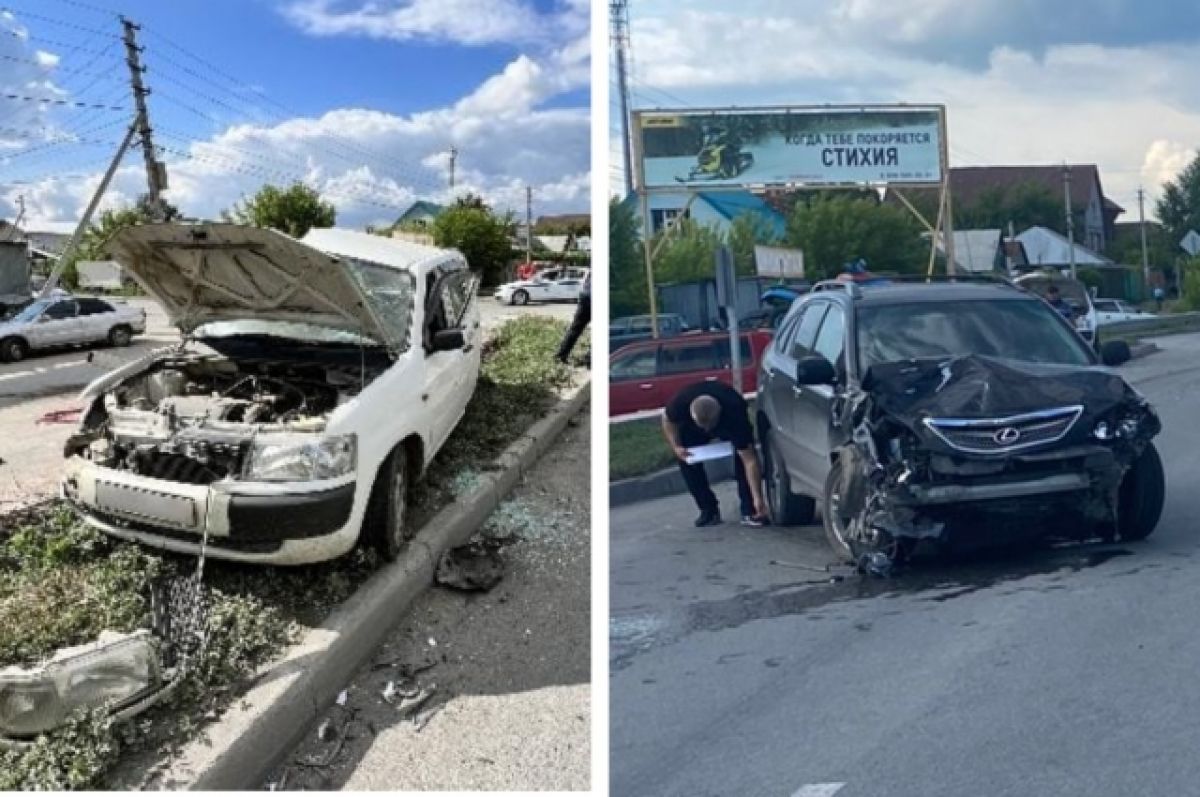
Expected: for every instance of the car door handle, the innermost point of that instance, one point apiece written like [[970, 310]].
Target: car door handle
[[711, 378], [646, 387]]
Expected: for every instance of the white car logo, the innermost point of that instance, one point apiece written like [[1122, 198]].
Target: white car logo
[[1007, 436]]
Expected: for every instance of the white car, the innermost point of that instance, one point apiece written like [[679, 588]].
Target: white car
[[72, 321], [1111, 311], [551, 285], [316, 381]]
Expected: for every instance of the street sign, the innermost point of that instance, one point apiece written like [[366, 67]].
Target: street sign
[[726, 278], [1191, 243]]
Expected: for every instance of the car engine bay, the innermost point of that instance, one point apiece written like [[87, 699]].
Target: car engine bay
[[192, 418]]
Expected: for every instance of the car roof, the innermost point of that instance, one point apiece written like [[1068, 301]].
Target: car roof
[[909, 292], [691, 337]]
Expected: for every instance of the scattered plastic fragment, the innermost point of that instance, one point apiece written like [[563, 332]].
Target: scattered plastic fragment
[[471, 568], [342, 697]]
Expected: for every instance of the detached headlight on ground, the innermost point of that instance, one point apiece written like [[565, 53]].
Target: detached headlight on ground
[[115, 671], [300, 458]]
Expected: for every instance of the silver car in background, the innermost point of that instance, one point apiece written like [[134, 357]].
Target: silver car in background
[[68, 321]]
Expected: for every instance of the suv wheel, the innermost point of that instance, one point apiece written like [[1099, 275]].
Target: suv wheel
[[787, 508], [1142, 494], [386, 524], [520, 297], [120, 336], [13, 350], [832, 517]]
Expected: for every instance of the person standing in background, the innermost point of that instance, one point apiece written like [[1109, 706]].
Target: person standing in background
[[583, 316]]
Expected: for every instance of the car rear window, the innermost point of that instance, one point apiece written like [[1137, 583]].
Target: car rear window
[[1020, 330]]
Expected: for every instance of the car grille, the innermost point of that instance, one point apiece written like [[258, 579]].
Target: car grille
[[1003, 435]]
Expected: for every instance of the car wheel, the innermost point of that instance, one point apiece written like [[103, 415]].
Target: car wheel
[[120, 336], [520, 297], [13, 350], [387, 523], [787, 508], [1143, 492], [832, 517]]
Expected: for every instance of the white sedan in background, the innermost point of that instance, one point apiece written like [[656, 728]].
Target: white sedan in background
[[1111, 311], [551, 285], [71, 321]]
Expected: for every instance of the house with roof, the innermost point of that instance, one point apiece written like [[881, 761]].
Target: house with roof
[[973, 186], [421, 214], [716, 209], [1045, 248]]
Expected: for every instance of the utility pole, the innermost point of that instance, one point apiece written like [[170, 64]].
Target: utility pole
[[1145, 251], [156, 172], [1070, 217], [16, 225], [619, 10], [453, 160], [528, 224]]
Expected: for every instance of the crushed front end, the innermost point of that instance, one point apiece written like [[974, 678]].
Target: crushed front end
[[978, 450]]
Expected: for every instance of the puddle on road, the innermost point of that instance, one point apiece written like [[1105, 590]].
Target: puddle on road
[[936, 581]]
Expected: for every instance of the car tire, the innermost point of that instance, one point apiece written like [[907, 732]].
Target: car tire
[[1141, 497], [833, 524], [520, 297], [387, 525], [13, 350], [120, 335], [787, 508]]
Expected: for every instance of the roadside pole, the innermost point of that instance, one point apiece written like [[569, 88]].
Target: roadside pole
[[726, 279], [947, 198]]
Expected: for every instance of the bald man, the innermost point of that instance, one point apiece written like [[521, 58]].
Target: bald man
[[708, 411]]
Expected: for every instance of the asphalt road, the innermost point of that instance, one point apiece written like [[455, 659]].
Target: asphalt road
[[509, 668], [1061, 671], [31, 447]]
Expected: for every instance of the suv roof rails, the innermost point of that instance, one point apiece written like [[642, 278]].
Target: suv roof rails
[[993, 279]]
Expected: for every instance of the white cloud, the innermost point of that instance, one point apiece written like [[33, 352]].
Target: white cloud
[[463, 21]]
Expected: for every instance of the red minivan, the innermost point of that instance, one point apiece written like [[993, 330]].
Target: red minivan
[[646, 375]]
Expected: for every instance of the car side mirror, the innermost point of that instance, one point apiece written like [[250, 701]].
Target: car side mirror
[[1115, 352], [448, 340], [815, 370]]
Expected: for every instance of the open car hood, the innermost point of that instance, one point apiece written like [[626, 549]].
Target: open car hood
[[231, 272]]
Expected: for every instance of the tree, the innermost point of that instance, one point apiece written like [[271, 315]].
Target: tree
[[1025, 205], [483, 238], [1179, 206], [688, 254], [294, 210], [91, 244], [747, 231], [837, 230], [626, 263]]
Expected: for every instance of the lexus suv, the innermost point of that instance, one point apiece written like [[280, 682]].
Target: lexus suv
[[950, 411]]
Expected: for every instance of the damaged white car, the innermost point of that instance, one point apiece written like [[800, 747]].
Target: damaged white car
[[316, 381]]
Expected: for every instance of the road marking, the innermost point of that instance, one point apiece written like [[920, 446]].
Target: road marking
[[41, 369], [819, 790], [16, 375]]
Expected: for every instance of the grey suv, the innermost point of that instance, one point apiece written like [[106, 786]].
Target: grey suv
[[950, 411]]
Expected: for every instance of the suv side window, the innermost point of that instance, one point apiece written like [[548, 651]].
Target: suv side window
[[61, 310], [682, 359], [635, 365], [832, 335], [784, 336], [457, 291], [93, 306], [806, 333]]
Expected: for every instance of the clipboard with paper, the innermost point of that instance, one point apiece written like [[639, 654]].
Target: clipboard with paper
[[709, 451]]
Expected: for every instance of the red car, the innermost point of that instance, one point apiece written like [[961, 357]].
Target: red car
[[646, 375]]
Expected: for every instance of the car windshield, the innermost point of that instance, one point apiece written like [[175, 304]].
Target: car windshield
[[31, 311], [1016, 330], [289, 330]]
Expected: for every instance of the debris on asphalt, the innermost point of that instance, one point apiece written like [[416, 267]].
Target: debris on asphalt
[[798, 566], [877, 564], [325, 730], [422, 719], [471, 568], [408, 700], [342, 697]]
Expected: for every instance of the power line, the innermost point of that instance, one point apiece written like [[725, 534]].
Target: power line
[[60, 22], [65, 103]]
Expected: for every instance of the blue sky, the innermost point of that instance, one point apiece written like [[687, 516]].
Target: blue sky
[[362, 99], [1111, 82]]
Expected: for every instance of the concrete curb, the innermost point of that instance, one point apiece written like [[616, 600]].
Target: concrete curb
[[663, 483], [239, 751]]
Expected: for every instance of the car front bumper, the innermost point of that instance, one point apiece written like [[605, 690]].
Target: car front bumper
[[281, 524]]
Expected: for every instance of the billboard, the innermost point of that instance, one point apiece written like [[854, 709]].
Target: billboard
[[819, 146], [779, 262]]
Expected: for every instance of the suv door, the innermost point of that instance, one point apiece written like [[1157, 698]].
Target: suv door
[[779, 387], [631, 380], [813, 416], [56, 326]]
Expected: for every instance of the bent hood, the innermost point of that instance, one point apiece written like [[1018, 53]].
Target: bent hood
[[230, 272], [985, 387]]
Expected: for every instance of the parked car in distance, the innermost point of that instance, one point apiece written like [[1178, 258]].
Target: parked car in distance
[[552, 285], [56, 323], [318, 380], [1111, 311], [646, 375], [951, 412], [634, 328]]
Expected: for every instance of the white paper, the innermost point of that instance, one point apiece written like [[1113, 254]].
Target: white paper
[[704, 453]]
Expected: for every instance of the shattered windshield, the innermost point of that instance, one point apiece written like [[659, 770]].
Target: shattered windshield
[[390, 293], [1025, 331]]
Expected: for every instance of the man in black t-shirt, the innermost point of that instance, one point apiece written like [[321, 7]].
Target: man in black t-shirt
[[708, 411]]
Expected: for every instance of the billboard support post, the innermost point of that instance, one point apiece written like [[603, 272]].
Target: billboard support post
[[947, 199], [647, 239], [727, 297]]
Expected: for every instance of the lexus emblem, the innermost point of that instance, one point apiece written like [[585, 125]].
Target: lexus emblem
[[1007, 436]]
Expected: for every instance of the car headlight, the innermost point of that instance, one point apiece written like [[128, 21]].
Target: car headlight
[[301, 458], [113, 671]]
